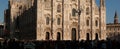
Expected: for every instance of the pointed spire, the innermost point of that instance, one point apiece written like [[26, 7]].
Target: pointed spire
[[102, 3], [116, 18]]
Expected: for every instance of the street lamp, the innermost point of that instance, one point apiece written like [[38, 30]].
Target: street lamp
[[52, 20], [79, 13]]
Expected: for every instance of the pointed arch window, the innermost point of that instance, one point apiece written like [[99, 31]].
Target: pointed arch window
[[46, 0], [58, 21], [86, 0], [74, 12], [73, 0], [47, 20], [59, 8], [87, 11], [87, 22], [96, 23]]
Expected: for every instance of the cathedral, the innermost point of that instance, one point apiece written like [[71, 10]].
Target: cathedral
[[57, 19]]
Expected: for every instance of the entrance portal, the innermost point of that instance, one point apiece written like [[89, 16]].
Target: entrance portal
[[73, 33], [96, 36], [87, 38], [58, 36], [47, 35]]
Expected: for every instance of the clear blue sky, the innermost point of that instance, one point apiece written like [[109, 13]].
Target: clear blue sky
[[111, 6], [3, 6]]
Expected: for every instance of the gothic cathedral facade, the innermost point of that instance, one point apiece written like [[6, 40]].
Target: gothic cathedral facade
[[71, 20]]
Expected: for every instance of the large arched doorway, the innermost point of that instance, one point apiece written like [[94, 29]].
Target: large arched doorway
[[88, 36], [73, 33], [96, 36], [47, 35], [58, 36]]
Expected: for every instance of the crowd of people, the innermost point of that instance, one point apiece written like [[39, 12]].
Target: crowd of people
[[88, 44]]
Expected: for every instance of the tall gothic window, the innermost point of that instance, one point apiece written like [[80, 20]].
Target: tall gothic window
[[74, 12], [47, 20], [58, 21], [87, 11], [96, 23], [86, 0], [87, 22], [73, 0], [46, 0], [47, 35], [58, 8]]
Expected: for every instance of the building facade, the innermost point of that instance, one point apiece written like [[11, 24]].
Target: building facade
[[1, 30], [7, 23], [58, 19], [113, 29]]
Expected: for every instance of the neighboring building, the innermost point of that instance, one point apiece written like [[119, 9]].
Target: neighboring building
[[1, 30], [113, 29], [23, 19], [58, 19], [7, 23]]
